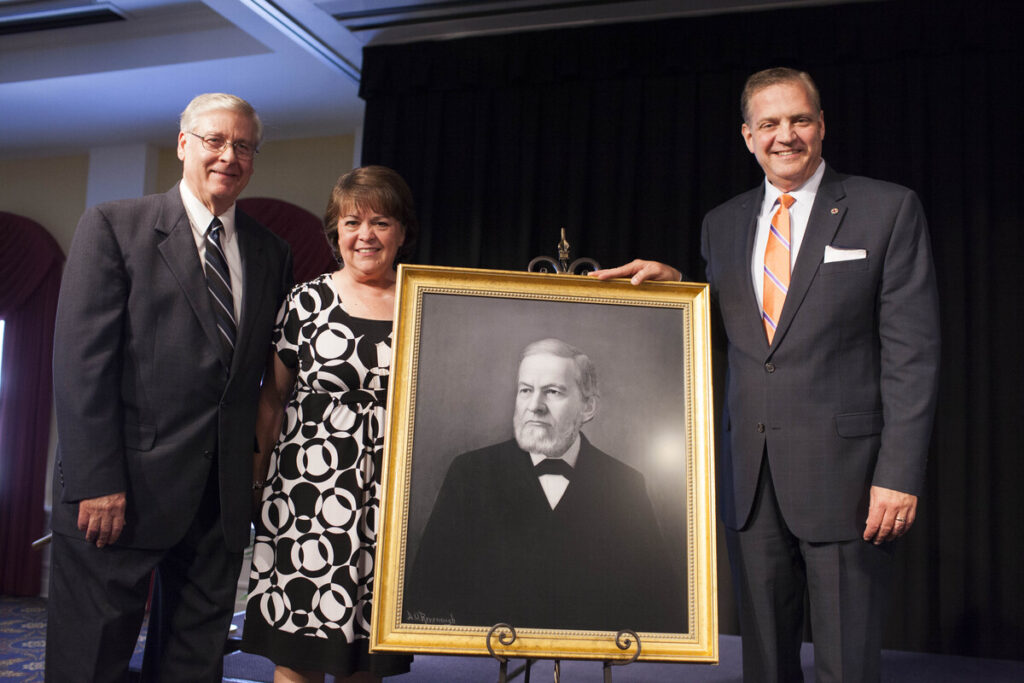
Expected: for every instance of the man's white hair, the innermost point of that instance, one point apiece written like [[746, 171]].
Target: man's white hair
[[213, 101]]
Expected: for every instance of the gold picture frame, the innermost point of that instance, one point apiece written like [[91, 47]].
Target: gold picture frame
[[453, 384]]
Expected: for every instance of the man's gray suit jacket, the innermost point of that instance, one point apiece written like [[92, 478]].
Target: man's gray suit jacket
[[844, 397], [146, 400]]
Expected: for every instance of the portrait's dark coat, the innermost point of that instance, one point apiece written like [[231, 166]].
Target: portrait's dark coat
[[494, 550]]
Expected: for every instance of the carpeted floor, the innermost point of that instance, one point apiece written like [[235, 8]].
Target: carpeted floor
[[22, 638], [23, 641]]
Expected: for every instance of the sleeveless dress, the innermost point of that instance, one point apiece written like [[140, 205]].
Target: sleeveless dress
[[311, 580]]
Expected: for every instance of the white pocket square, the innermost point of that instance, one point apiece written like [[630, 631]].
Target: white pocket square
[[833, 254]]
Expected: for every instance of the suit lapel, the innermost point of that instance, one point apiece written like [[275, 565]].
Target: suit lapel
[[746, 225], [524, 482], [585, 484], [254, 274], [826, 216], [178, 249]]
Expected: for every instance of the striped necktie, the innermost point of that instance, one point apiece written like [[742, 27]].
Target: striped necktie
[[776, 267], [218, 281]]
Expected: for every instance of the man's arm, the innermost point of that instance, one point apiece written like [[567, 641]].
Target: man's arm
[[908, 316], [278, 382], [87, 374]]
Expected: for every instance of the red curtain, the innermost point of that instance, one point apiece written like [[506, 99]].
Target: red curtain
[[31, 263], [303, 231]]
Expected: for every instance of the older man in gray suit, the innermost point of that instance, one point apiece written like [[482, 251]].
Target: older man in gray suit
[[827, 293], [163, 328]]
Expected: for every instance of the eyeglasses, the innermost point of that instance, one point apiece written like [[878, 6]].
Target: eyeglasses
[[216, 144]]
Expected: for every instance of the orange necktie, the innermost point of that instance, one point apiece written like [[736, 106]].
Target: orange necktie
[[776, 267]]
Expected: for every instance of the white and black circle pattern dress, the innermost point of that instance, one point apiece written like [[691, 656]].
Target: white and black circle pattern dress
[[312, 569]]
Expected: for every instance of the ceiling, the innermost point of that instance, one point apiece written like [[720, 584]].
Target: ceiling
[[78, 74]]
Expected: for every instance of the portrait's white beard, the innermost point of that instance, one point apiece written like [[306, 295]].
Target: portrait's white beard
[[545, 440]]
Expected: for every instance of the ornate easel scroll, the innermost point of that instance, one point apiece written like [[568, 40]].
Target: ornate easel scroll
[[546, 264], [506, 636]]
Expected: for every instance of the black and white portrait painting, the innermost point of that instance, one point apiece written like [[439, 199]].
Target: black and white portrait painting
[[546, 484], [616, 555]]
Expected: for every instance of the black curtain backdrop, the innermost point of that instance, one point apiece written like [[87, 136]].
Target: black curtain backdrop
[[626, 135]]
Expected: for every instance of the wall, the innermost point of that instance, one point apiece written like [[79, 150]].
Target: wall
[[51, 191], [298, 171]]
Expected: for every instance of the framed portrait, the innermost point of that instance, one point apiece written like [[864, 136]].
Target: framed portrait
[[548, 474]]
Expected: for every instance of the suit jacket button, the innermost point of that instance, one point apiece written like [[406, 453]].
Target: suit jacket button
[[770, 367], [208, 455], [760, 428]]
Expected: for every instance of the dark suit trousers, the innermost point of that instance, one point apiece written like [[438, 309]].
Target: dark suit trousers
[[97, 601], [848, 586]]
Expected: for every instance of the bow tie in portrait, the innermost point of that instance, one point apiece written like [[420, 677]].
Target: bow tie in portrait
[[553, 466]]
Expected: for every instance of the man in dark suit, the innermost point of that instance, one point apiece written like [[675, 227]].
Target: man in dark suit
[[545, 530], [833, 348], [163, 328]]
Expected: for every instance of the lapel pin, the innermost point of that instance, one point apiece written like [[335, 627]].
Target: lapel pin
[[834, 211]]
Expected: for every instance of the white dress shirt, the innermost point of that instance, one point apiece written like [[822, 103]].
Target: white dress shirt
[[554, 485]]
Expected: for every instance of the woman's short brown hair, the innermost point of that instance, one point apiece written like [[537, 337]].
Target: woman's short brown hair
[[372, 188]]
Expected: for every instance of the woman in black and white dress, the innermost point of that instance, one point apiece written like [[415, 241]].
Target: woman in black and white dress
[[321, 436]]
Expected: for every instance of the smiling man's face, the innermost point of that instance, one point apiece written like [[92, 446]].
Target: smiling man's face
[[784, 131], [217, 178]]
